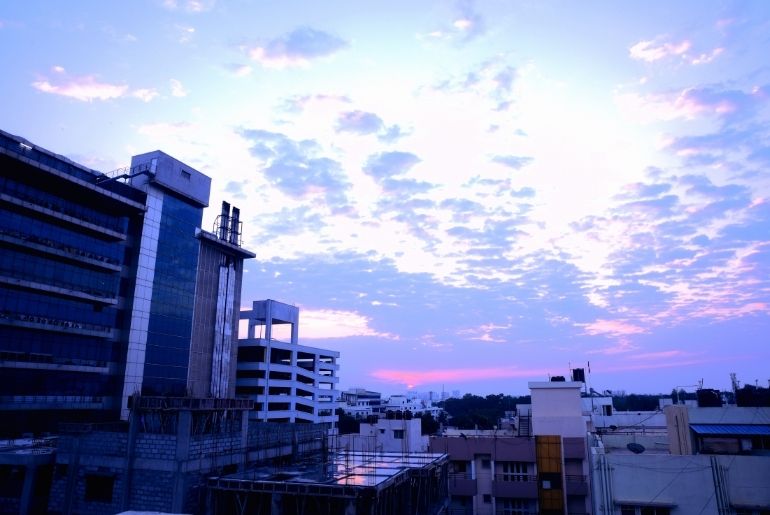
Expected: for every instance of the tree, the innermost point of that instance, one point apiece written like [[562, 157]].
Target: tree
[[346, 424], [472, 411], [428, 424]]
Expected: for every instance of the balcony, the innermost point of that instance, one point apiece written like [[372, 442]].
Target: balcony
[[515, 485], [50, 247], [50, 402], [460, 483], [576, 484], [54, 324], [62, 215], [60, 288], [574, 448]]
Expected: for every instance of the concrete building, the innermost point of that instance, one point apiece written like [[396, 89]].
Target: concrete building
[[361, 403], [541, 467], [349, 483], [161, 460], [288, 382], [414, 405], [707, 460], [377, 434]]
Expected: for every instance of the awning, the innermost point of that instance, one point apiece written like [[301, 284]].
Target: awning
[[731, 429]]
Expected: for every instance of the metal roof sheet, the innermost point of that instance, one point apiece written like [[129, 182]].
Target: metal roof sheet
[[732, 429]]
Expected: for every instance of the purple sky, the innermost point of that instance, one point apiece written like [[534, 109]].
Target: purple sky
[[464, 195]]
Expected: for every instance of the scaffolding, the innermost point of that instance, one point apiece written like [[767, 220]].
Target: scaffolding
[[347, 482]]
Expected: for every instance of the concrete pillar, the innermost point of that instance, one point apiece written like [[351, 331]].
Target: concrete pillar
[[72, 475], [243, 455], [184, 428], [134, 419], [25, 501], [275, 504]]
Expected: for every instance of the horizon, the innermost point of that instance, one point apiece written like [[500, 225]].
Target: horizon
[[468, 194]]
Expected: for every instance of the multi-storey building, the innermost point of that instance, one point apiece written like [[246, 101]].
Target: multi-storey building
[[539, 468], [108, 287], [288, 382], [361, 403]]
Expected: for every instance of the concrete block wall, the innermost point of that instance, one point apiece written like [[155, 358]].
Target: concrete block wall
[[206, 445], [151, 491], [78, 504], [155, 446]]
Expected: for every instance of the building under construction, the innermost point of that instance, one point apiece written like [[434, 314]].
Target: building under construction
[[349, 483]]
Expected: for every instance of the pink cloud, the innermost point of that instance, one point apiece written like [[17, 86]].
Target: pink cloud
[[687, 104], [419, 377], [85, 88], [651, 51], [623, 346], [611, 327]]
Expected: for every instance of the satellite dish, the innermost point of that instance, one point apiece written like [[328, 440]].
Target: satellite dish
[[636, 448]]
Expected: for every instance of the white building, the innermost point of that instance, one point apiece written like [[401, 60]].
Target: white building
[[289, 382], [413, 405], [386, 435], [361, 403]]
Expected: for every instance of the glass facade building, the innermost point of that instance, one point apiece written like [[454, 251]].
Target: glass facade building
[[98, 279]]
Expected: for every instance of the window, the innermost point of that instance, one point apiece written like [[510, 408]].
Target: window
[[515, 471], [487, 499], [398, 434], [99, 488], [515, 506], [486, 461], [185, 175], [628, 509]]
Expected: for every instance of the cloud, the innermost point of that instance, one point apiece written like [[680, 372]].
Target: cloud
[[185, 33], [145, 94], [297, 48], [658, 49], [84, 88], [484, 333], [299, 103], [651, 51], [191, 6], [466, 25], [88, 88], [327, 323], [239, 70], [298, 168], [177, 90], [389, 164], [611, 328], [359, 122], [417, 377], [492, 80], [692, 103], [236, 189], [515, 162]]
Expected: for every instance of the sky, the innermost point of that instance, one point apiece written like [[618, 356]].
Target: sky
[[457, 195]]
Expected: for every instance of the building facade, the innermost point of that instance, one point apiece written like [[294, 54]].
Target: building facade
[[541, 469], [109, 287], [706, 460], [288, 382]]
